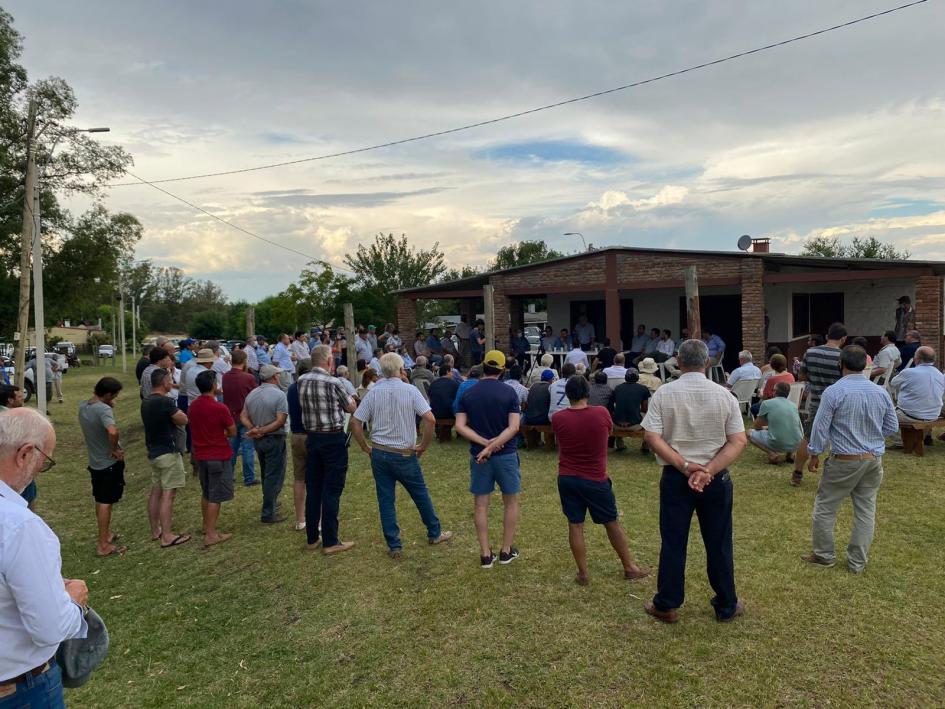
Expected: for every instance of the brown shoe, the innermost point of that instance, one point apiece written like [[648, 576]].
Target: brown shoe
[[670, 616], [739, 610], [338, 548], [812, 558], [396, 554], [639, 573], [444, 537]]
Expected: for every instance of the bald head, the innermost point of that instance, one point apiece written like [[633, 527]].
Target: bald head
[[925, 355], [25, 435]]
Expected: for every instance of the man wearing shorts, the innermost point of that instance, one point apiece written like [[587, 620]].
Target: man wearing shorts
[[582, 432], [161, 417], [211, 427], [106, 459], [778, 426], [488, 415]]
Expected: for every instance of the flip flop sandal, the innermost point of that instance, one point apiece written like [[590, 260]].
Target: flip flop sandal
[[178, 540], [117, 551]]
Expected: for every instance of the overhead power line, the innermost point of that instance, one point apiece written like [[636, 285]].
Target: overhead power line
[[537, 109]]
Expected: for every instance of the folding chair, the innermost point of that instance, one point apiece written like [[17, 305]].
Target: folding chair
[[743, 391]]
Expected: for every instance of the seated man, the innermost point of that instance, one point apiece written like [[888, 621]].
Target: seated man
[[648, 369], [435, 346], [919, 391], [649, 349], [548, 340], [908, 350], [454, 370], [559, 400], [515, 381], [536, 372], [420, 371], [442, 393], [745, 371], [638, 344], [564, 341], [449, 347], [716, 346], [617, 369], [671, 367], [600, 393], [577, 356], [605, 357], [888, 358], [539, 400], [629, 405], [778, 426], [665, 347]]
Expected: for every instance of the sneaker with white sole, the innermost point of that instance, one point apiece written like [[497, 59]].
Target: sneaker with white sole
[[486, 562], [509, 556]]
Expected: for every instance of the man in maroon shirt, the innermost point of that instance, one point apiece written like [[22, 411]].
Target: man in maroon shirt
[[211, 426], [583, 484], [237, 383]]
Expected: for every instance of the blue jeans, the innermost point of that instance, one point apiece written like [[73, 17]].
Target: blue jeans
[[42, 692], [272, 459], [390, 469], [326, 468], [241, 443]]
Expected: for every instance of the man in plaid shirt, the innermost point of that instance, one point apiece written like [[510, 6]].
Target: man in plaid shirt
[[324, 402]]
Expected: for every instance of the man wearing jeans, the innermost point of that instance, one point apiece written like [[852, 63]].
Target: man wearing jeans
[[696, 430], [264, 414], [237, 384], [324, 402], [854, 418], [391, 408]]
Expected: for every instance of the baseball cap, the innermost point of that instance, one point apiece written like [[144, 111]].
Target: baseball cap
[[186, 342], [268, 371], [548, 375], [494, 358]]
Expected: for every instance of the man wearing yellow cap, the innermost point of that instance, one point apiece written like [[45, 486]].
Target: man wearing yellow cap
[[488, 415]]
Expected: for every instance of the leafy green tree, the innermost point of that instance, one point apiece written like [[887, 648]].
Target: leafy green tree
[[522, 253], [208, 324], [865, 247]]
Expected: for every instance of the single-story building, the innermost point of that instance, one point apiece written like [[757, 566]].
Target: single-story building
[[751, 299]]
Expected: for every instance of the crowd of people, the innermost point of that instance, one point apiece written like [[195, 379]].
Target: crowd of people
[[208, 409]]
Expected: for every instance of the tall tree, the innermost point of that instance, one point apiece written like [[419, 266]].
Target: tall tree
[[859, 247], [522, 253]]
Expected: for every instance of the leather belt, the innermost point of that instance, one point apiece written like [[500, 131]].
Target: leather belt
[[35, 672], [405, 452], [854, 456]]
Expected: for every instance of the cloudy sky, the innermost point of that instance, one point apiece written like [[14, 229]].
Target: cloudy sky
[[841, 134]]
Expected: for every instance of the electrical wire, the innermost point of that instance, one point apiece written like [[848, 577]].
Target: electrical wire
[[537, 109]]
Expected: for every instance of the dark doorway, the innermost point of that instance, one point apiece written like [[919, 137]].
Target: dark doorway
[[814, 313], [722, 314], [595, 312], [626, 322]]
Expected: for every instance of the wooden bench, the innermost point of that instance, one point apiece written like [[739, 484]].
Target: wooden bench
[[627, 432], [532, 434], [444, 429], [913, 435]]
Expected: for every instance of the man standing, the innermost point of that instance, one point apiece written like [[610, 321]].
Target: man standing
[[284, 359], [746, 370], [237, 383], [38, 607], [362, 346], [252, 359], [211, 427], [106, 459], [372, 336], [324, 402], [463, 332], [584, 333], [853, 418], [696, 431], [583, 484], [821, 367], [299, 347], [297, 440], [186, 351], [778, 426], [391, 408], [489, 418], [888, 358], [558, 398], [157, 358], [262, 351], [442, 393], [220, 365], [264, 415], [716, 346], [920, 391], [905, 317], [161, 419]]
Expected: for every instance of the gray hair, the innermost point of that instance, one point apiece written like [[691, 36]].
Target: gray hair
[[321, 355], [161, 341], [547, 360], [745, 355], [619, 358], [391, 364], [20, 427], [341, 370], [925, 355], [213, 345], [693, 355], [448, 359], [421, 361]]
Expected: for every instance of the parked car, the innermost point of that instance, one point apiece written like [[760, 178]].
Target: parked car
[[106, 351], [68, 350], [533, 335], [29, 386]]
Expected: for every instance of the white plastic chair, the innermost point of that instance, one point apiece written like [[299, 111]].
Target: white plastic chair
[[717, 374], [743, 390], [797, 392], [614, 382]]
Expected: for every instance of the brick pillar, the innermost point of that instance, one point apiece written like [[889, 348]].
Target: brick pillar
[[753, 308], [928, 311], [502, 309], [406, 318], [612, 303], [517, 313]]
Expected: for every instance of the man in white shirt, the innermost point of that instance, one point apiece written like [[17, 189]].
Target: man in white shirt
[[745, 370], [577, 356], [559, 399], [888, 358], [617, 369], [665, 348], [299, 347], [362, 346], [38, 607], [584, 333]]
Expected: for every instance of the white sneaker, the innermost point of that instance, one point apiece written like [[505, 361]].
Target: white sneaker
[[299, 526]]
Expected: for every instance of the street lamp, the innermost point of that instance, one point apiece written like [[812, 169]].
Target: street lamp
[[577, 233], [39, 316]]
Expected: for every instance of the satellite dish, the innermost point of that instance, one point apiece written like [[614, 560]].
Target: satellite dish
[[744, 242]]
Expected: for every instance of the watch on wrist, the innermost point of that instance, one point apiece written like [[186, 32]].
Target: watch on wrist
[[685, 466]]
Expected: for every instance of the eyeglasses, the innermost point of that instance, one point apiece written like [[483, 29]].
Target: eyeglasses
[[49, 461]]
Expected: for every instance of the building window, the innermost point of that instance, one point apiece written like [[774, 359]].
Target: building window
[[814, 313]]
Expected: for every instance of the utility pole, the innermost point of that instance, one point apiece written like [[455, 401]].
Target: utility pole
[[350, 334], [488, 293], [39, 315], [250, 321], [693, 316], [121, 325], [26, 241], [134, 327]]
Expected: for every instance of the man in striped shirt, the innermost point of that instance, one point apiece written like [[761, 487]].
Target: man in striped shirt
[[324, 402], [391, 408], [821, 368]]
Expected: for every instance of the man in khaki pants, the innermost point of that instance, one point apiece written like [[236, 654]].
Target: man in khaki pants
[[854, 418]]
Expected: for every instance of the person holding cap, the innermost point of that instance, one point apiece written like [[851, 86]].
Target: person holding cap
[[488, 415], [905, 318]]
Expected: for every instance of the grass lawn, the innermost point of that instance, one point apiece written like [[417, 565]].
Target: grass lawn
[[259, 622]]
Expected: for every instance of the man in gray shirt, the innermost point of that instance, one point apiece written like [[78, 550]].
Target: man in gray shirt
[[265, 413]]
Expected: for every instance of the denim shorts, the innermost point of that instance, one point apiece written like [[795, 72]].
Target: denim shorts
[[501, 469]]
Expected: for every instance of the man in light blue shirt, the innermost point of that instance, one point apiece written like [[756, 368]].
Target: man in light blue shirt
[[854, 418], [745, 371], [638, 344], [38, 607], [920, 388], [716, 346], [262, 353], [281, 356]]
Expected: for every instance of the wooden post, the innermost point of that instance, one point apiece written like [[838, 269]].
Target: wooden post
[[489, 314], [26, 249], [350, 334], [250, 321], [693, 318]]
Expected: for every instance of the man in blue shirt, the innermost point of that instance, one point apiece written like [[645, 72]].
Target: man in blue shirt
[[920, 391], [488, 416], [262, 352], [435, 345], [854, 418], [716, 346]]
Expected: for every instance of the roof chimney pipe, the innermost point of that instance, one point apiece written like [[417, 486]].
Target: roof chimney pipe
[[761, 245]]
